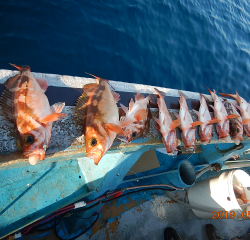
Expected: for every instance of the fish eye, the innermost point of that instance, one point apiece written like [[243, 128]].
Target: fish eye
[[134, 134], [237, 130], [28, 139], [92, 142]]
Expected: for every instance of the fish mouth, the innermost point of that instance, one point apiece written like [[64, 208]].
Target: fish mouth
[[97, 156], [34, 156]]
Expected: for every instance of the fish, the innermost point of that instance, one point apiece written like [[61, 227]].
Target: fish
[[166, 125], [222, 127], [25, 104], [97, 109], [235, 124], [205, 129], [139, 113], [187, 125], [244, 109]]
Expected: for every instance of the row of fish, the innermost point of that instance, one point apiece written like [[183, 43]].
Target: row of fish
[[25, 104]]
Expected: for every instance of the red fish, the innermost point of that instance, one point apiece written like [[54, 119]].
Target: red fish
[[98, 110], [166, 125], [222, 127], [244, 110], [25, 104], [138, 113], [235, 124], [187, 124], [205, 130]]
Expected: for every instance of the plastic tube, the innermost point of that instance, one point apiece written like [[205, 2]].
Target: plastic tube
[[206, 169]]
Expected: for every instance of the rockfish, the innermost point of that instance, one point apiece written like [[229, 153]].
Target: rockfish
[[222, 127], [25, 104], [236, 125], [187, 124], [244, 110], [137, 113], [166, 125], [205, 130], [98, 110]]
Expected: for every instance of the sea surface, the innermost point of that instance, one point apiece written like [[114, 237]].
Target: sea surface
[[181, 44]]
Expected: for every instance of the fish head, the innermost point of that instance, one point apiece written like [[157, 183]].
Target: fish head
[[205, 133], [96, 143], [170, 142], [134, 130], [35, 142], [189, 139]]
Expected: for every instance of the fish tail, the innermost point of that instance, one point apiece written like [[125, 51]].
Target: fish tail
[[160, 93], [98, 78], [21, 68], [208, 89]]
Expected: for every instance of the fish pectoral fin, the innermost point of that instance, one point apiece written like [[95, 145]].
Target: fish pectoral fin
[[123, 139], [53, 117], [194, 124], [197, 113], [43, 83], [125, 121], [131, 104], [177, 115], [215, 120], [157, 121], [115, 128], [175, 124], [233, 116], [228, 95], [116, 96], [141, 114], [125, 109], [139, 97], [245, 121], [57, 107]]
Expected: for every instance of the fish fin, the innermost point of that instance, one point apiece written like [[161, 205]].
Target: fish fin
[[177, 115], [194, 124], [21, 68], [245, 121], [214, 120], [212, 107], [87, 88], [175, 124], [131, 104], [233, 116], [140, 115], [123, 139], [228, 95], [12, 81], [125, 109], [115, 128], [139, 97], [197, 113], [81, 106], [157, 121], [116, 96], [158, 127], [124, 121], [208, 89], [57, 107], [98, 78], [6, 105], [43, 83], [53, 117], [160, 93]]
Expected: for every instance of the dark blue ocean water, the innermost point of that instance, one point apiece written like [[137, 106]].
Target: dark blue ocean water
[[178, 44]]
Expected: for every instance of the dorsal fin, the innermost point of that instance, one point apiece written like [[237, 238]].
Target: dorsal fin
[[81, 106], [139, 97]]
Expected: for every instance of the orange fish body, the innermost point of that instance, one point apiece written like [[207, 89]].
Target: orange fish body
[[98, 110], [220, 113], [25, 104], [166, 125], [187, 125], [205, 130], [138, 114], [244, 108]]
